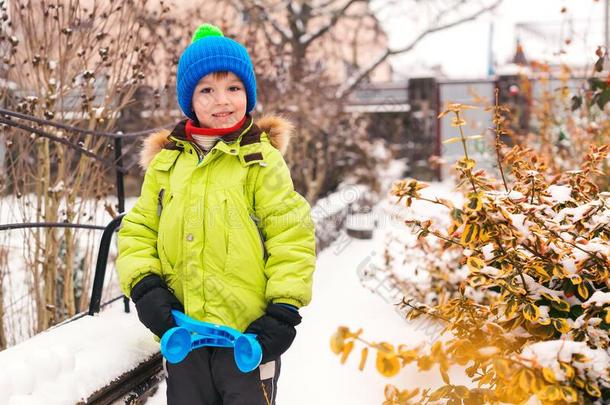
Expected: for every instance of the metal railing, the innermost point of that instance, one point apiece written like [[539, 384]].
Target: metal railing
[[100, 267]]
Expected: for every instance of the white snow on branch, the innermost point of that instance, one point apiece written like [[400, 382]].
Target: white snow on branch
[[599, 299], [518, 221], [548, 353], [560, 194], [515, 196], [574, 214]]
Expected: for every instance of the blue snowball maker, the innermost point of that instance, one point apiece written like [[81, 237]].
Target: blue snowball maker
[[191, 334]]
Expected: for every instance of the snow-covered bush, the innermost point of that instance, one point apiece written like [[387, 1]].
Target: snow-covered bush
[[519, 278]]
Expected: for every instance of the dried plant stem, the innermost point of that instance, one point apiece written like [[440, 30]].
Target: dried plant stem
[[77, 77], [463, 139], [527, 292], [498, 131], [3, 263], [436, 316], [431, 201], [436, 233]]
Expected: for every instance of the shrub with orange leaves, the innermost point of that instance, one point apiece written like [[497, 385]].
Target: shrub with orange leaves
[[571, 116], [526, 300]]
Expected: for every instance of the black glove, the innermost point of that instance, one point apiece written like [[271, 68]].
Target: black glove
[[275, 330], [154, 302]]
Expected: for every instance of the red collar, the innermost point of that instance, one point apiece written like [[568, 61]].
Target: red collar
[[192, 129]]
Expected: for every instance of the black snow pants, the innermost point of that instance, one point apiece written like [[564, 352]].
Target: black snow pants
[[209, 376]]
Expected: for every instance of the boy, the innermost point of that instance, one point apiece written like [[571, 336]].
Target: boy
[[219, 231]]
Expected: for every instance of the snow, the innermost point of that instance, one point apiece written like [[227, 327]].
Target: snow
[[360, 222], [487, 251], [574, 214], [515, 195], [599, 298], [310, 370], [547, 354], [569, 265], [544, 313], [518, 221], [69, 363], [490, 270], [560, 194], [592, 247], [488, 351], [602, 218], [336, 202], [58, 187], [535, 290]]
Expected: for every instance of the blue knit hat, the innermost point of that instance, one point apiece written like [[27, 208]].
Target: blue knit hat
[[210, 51]]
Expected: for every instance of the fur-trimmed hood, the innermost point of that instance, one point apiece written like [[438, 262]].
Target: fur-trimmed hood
[[278, 129]]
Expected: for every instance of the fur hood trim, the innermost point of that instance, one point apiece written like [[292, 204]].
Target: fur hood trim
[[278, 129]]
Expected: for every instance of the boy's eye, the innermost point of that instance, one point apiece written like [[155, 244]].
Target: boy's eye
[[205, 90], [235, 88]]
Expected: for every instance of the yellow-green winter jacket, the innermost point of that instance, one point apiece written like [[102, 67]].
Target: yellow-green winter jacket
[[225, 229]]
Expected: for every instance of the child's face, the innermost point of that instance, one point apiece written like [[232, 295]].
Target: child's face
[[219, 100]]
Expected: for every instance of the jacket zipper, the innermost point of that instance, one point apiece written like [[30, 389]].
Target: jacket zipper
[[261, 237], [160, 207], [200, 153], [160, 201]]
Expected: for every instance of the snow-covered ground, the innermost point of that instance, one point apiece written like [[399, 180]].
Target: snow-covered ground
[[311, 373]]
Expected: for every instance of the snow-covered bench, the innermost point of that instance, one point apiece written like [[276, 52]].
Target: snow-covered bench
[[95, 359]]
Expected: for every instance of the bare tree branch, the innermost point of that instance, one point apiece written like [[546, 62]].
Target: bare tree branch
[[319, 8], [284, 33], [353, 81], [309, 38]]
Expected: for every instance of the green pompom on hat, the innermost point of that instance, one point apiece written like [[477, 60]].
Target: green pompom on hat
[[206, 30]]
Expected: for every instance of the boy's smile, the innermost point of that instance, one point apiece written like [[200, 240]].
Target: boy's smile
[[219, 100]]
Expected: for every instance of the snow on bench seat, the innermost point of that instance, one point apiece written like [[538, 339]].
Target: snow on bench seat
[[70, 363]]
